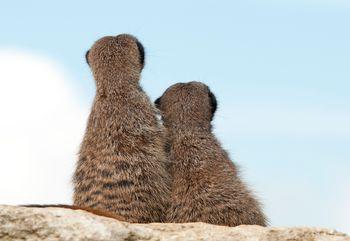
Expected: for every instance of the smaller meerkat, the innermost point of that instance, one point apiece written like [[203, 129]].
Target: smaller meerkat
[[122, 162], [206, 186]]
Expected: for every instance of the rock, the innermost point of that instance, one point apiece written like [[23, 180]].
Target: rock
[[21, 223]]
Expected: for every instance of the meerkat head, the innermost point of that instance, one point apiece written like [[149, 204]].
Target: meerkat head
[[116, 58], [187, 104]]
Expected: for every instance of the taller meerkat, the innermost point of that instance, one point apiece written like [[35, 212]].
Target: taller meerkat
[[206, 186], [122, 163]]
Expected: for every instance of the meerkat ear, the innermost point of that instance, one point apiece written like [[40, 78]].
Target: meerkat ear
[[141, 52], [213, 103], [87, 57], [157, 102]]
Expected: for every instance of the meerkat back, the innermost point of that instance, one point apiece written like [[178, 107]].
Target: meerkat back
[[122, 164], [205, 182]]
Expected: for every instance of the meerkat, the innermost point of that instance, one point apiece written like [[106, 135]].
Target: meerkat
[[121, 167], [205, 183]]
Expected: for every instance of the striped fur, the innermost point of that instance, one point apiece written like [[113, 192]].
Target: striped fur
[[122, 162], [206, 186]]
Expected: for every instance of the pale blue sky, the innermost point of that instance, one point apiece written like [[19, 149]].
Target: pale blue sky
[[280, 70]]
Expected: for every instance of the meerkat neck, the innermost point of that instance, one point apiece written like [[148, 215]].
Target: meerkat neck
[[110, 83], [116, 89], [175, 129]]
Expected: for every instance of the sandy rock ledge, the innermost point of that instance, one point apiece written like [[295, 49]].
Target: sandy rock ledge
[[19, 223]]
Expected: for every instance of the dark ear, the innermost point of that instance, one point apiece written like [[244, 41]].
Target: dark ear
[[87, 57], [213, 103], [157, 102], [141, 52]]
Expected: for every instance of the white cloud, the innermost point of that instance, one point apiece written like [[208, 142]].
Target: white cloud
[[41, 126]]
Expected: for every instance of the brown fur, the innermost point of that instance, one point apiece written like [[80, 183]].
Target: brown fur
[[206, 186], [122, 163]]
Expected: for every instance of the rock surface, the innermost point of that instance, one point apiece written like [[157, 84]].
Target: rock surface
[[21, 223]]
